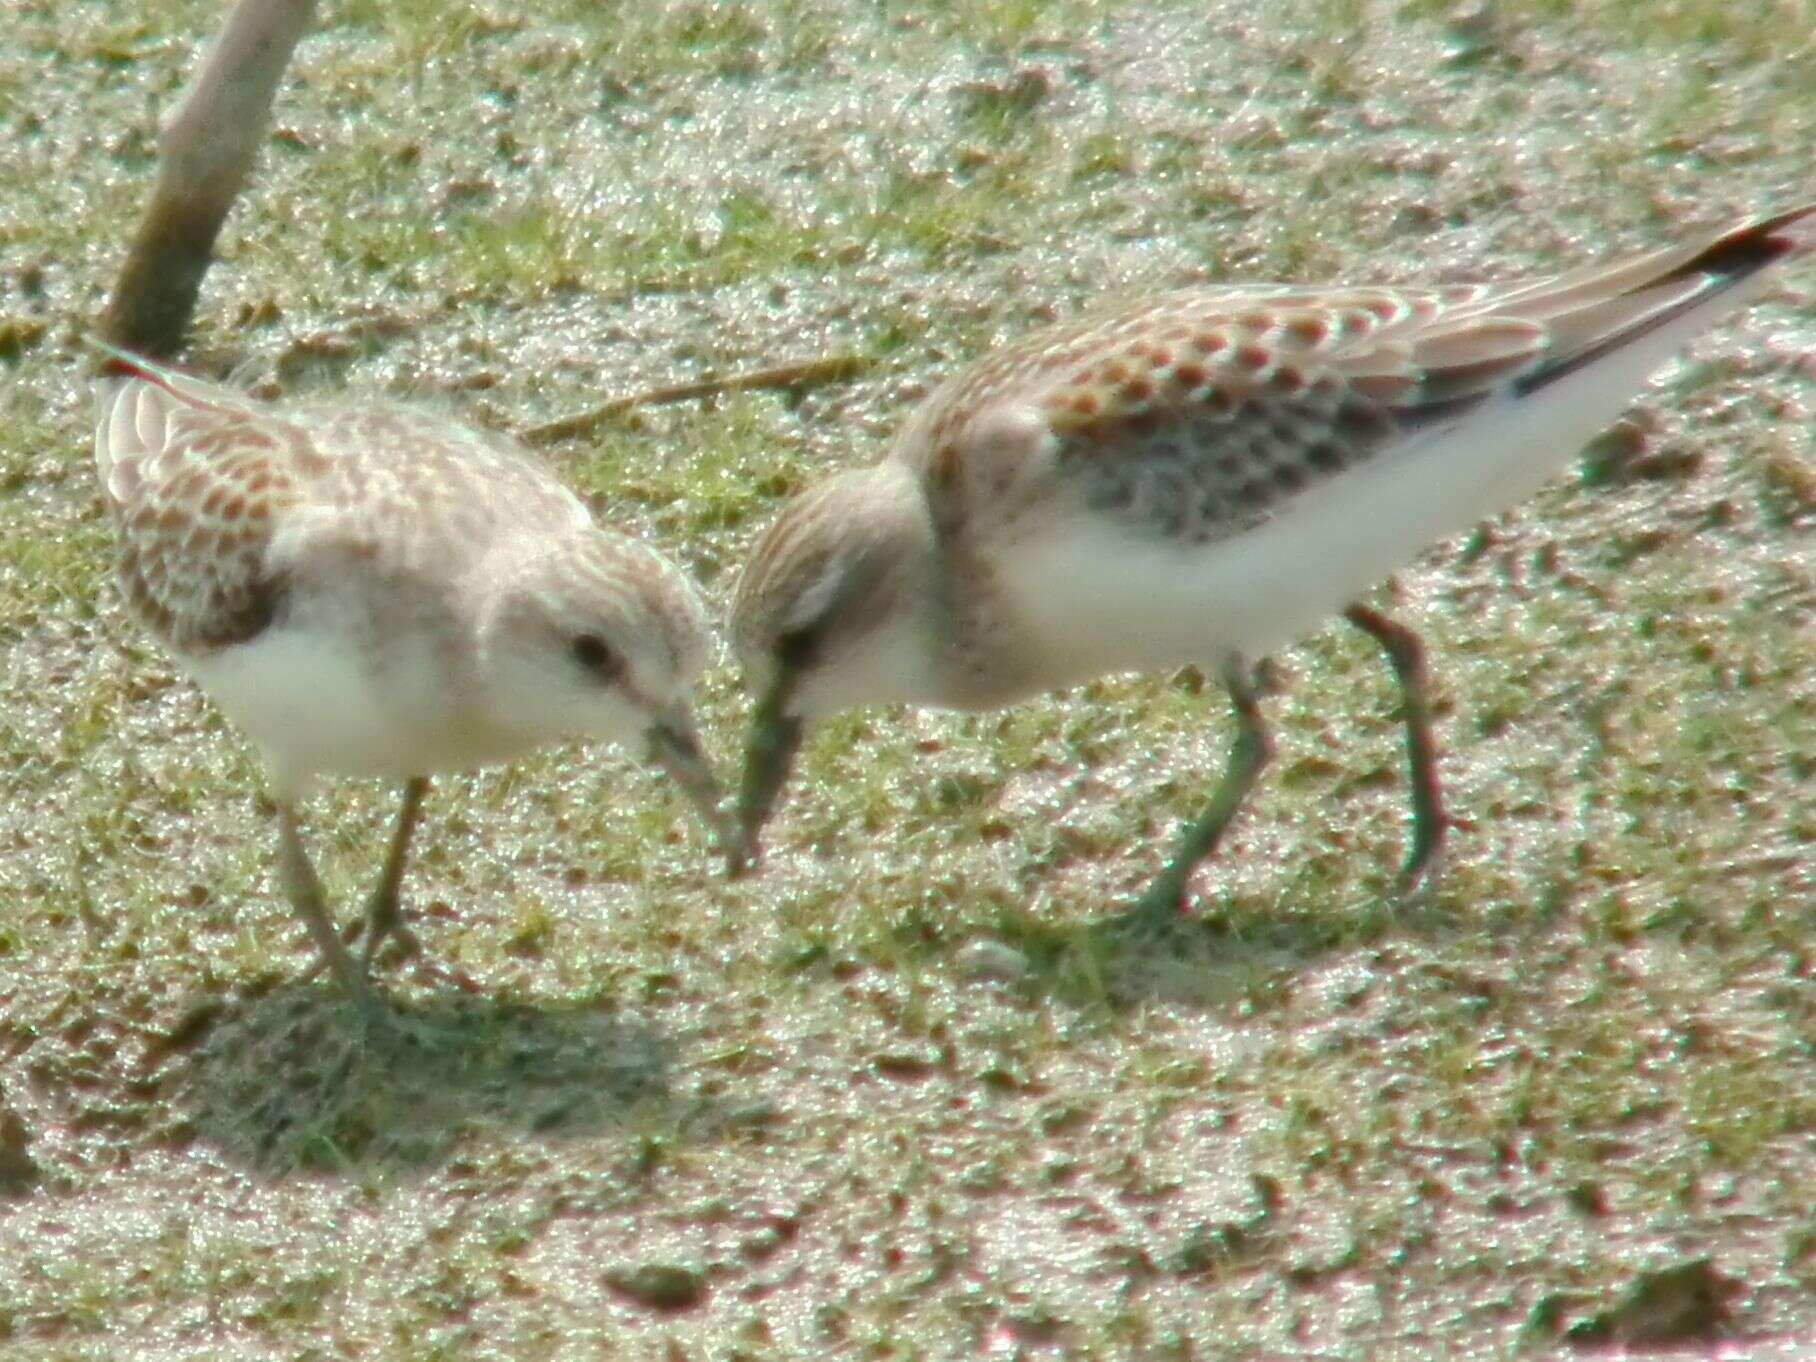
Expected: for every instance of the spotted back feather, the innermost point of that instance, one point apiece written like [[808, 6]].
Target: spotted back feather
[[218, 497], [195, 480], [1201, 414], [413, 492]]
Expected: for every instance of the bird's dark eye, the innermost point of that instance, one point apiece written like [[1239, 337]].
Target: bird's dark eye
[[596, 655]]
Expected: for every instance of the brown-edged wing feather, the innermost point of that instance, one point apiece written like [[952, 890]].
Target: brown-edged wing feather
[[196, 477], [1200, 414], [223, 502]]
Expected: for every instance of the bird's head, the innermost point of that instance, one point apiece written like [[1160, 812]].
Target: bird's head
[[834, 609], [599, 636]]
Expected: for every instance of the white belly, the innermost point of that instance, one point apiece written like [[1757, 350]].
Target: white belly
[[314, 705]]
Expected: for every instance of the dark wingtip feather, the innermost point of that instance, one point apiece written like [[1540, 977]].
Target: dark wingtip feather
[[1752, 246], [1732, 258]]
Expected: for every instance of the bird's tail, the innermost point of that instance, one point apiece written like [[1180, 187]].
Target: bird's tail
[[1593, 312]]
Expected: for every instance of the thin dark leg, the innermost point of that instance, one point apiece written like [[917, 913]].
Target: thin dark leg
[[384, 913], [1429, 821], [1160, 906], [305, 891]]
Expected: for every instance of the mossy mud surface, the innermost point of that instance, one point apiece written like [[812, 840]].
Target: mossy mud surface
[[893, 1097]]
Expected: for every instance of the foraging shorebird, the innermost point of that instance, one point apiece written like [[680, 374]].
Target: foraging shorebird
[[367, 589], [1196, 480]]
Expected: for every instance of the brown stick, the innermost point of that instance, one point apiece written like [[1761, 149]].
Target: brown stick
[[205, 154], [810, 373]]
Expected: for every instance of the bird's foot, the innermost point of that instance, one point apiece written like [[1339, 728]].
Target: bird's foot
[[1429, 856], [1156, 920]]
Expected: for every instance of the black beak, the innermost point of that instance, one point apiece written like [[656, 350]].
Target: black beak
[[674, 744], [775, 737]]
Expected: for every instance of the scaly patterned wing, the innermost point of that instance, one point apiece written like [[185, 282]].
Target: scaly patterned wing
[[196, 475], [1201, 414], [413, 488]]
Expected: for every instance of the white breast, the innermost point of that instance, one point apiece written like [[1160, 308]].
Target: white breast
[[314, 705]]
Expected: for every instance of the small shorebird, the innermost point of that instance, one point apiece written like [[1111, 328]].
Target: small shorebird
[[1199, 479], [367, 589]]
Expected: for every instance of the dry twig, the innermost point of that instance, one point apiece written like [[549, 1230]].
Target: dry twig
[[810, 373]]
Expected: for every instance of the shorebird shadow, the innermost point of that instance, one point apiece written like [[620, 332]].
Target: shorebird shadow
[[294, 1080], [1208, 958]]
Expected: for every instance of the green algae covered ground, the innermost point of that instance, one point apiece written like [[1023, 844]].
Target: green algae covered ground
[[891, 1098]]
